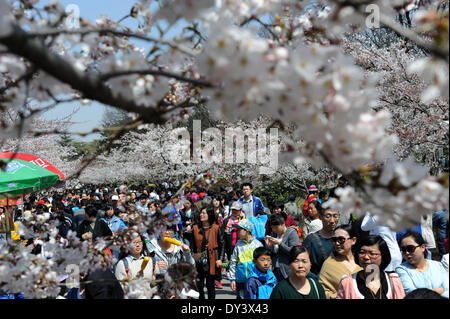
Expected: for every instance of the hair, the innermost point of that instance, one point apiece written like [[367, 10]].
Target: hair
[[322, 194], [417, 238], [348, 228], [247, 184], [261, 251], [276, 219], [209, 211], [295, 251], [84, 202], [278, 205], [318, 206], [423, 293], [382, 245], [292, 197], [91, 211]]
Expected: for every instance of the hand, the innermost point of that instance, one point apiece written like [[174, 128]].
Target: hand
[[188, 228], [162, 264], [268, 242], [439, 290], [87, 235], [218, 263], [140, 274], [233, 286], [185, 247]]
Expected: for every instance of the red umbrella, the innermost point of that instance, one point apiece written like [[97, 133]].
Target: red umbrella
[[35, 160]]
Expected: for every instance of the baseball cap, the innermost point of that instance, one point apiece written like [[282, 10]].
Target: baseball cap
[[245, 224], [41, 202], [313, 188], [115, 197], [236, 205]]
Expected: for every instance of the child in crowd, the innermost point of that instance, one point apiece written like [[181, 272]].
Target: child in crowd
[[261, 279], [241, 264]]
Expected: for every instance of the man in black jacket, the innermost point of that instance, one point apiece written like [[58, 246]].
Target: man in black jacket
[[91, 227]]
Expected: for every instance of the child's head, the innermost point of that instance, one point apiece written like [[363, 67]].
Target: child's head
[[262, 259]]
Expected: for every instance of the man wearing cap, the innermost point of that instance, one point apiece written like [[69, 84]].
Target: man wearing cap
[[252, 206], [240, 269], [230, 232], [312, 191]]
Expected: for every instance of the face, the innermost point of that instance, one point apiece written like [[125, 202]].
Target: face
[[136, 247], [204, 216], [188, 205], [235, 212], [133, 195], [242, 233], [278, 229], [263, 262], [342, 242], [152, 206], [216, 203], [369, 255], [277, 210], [413, 252], [301, 266], [110, 212], [168, 233], [247, 191], [330, 220], [312, 210]]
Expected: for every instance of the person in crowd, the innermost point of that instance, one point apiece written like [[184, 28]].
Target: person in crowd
[[426, 225], [142, 204], [130, 263], [319, 244], [312, 195], [242, 256], [371, 225], [280, 246], [418, 271], [261, 280], [372, 254], [251, 205], [101, 284], [293, 210], [230, 233], [114, 223], [440, 225], [187, 214], [166, 253], [91, 227], [341, 261], [314, 222], [218, 209], [278, 208], [298, 285], [208, 248], [323, 196]]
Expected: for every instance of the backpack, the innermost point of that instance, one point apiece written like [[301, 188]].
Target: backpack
[[299, 233]]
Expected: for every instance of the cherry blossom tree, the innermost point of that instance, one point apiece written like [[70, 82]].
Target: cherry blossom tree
[[300, 75]]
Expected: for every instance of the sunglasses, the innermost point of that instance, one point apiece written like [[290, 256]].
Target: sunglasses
[[410, 249], [339, 240]]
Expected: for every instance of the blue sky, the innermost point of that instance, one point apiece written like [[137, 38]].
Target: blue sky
[[90, 116]]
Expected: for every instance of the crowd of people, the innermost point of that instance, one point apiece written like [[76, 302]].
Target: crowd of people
[[273, 251]]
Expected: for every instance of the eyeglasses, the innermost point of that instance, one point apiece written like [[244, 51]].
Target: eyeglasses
[[340, 240], [137, 243], [410, 249], [371, 254]]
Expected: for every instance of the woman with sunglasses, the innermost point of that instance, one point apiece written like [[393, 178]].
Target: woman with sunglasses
[[372, 254], [418, 271], [341, 261]]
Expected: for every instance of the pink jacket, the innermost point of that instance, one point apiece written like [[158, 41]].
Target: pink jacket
[[348, 288]]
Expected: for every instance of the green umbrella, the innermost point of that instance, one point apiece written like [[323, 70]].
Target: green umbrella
[[21, 177]]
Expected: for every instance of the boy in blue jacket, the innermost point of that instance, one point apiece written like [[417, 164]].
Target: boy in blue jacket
[[261, 280]]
